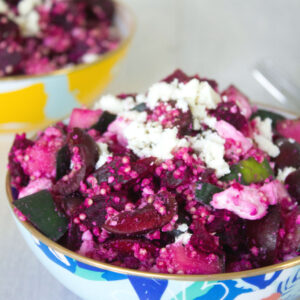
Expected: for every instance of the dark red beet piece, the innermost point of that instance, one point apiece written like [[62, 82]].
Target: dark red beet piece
[[184, 259], [125, 246], [71, 184], [170, 181], [228, 227], [182, 77], [19, 178], [143, 219], [96, 213], [293, 185], [125, 252], [87, 147], [230, 112], [78, 50], [177, 74], [115, 168], [63, 161], [10, 57], [88, 151], [204, 241], [9, 30], [289, 129], [289, 155], [73, 239], [263, 234], [291, 240], [68, 204]]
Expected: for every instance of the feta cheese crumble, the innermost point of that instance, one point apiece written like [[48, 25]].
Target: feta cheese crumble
[[211, 148], [113, 104], [196, 95], [150, 139], [185, 237], [264, 137], [284, 173], [104, 154]]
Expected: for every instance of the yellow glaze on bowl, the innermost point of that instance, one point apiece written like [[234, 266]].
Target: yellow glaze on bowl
[[33, 102]]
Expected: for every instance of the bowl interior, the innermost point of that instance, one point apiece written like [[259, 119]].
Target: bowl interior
[[101, 265]]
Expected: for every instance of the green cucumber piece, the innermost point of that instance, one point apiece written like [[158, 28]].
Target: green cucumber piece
[[263, 114], [205, 192], [41, 211], [249, 171]]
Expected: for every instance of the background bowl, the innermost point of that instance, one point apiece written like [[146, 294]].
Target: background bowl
[[89, 278], [32, 102]]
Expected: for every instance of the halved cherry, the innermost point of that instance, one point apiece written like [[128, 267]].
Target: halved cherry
[[143, 219]]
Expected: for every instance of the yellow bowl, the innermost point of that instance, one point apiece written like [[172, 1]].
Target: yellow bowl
[[32, 102]]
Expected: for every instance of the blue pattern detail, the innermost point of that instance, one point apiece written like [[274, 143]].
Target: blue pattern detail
[[148, 289], [107, 275], [285, 287], [71, 266], [88, 267], [260, 281], [112, 276], [219, 291]]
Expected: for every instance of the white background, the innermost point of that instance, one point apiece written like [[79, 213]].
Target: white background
[[221, 39]]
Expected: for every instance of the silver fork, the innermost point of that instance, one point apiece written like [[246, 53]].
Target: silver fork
[[278, 84]]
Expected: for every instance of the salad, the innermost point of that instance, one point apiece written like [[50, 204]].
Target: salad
[[182, 179], [40, 36]]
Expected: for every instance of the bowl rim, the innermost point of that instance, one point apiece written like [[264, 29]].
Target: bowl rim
[[121, 270], [125, 41]]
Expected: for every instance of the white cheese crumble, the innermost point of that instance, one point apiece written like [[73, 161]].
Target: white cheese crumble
[[26, 16], [150, 139], [183, 227], [3, 7], [211, 149], [264, 138], [196, 95], [89, 58], [284, 173], [183, 238], [113, 104], [104, 154]]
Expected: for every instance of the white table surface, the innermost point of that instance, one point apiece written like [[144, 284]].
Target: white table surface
[[215, 38]]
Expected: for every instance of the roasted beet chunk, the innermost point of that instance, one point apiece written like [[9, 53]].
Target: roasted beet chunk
[[10, 57], [9, 30], [289, 155], [289, 129], [132, 253], [63, 161], [85, 154], [105, 119], [122, 171], [293, 185], [152, 216], [228, 227], [177, 74], [202, 240], [172, 179], [263, 234], [182, 77], [88, 149], [290, 244], [230, 112], [19, 178]]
